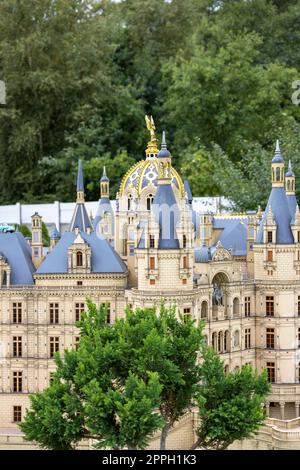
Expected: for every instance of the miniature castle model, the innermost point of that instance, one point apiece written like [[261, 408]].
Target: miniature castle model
[[240, 273]]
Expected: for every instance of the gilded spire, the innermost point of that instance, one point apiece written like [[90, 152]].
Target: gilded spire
[[152, 144]]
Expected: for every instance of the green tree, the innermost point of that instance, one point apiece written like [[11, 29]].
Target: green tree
[[24, 230], [89, 397], [129, 379], [230, 405]]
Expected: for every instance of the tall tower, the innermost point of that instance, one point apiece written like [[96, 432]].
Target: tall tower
[[104, 185], [80, 217], [103, 222], [37, 239], [164, 249], [290, 188]]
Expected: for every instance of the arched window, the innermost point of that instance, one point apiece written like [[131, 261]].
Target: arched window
[[226, 341], [220, 341], [214, 340], [204, 309], [79, 258], [236, 307], [236, 339], [149, 201], [277, 174], [129, 202], [288, 185], [184, 241]]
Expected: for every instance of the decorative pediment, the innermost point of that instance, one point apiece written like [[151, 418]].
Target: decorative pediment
[[221, 254]]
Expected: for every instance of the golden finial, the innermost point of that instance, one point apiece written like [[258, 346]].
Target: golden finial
[[152, 144]]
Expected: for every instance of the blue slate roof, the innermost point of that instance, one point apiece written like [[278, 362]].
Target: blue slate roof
[[282, 216], [104, 258], [234, 235], [188, 190], [292, 203], [202, 254], [55, 235], [103, 207], [167, 215], [80, 219], [17, 252]]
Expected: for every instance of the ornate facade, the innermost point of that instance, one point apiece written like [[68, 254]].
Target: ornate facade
[[240, 273]]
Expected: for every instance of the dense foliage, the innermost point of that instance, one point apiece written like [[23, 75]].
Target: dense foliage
[[81, 74], [138, 376]]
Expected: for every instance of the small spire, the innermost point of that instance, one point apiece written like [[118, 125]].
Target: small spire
[[80, 185], [277, 150], [104, 175], [290, 166], [163, 141]]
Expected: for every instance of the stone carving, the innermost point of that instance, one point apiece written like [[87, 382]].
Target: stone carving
[[218, 295], [221, 254]]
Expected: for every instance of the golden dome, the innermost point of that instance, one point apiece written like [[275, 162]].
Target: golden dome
[[144, 173]]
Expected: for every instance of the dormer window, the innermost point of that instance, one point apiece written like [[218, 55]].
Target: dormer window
[[270, 237], [151, 241], [79, 259]]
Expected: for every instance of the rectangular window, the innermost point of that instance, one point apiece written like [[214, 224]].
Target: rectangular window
[[184, 281], [54, 345], [77, 339], [184, 241], [247, 338], [186, 313], [152, 262], [17, 312], [152, 282], [185, 264], [107, 305], [151, 241], [17, 346], [79, 308], [298, 305], [17, 381], [54, 313], [131, 250], [271, 371], [298, 237], [270, 338], [270, 237], [17, 414], [298, 337], [270, 256], [247, 305], [269, 306], [79, 283], [36, 252]]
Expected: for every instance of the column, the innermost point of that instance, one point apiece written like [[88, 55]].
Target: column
[[267, 409], [282, 410], [297, 409]]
